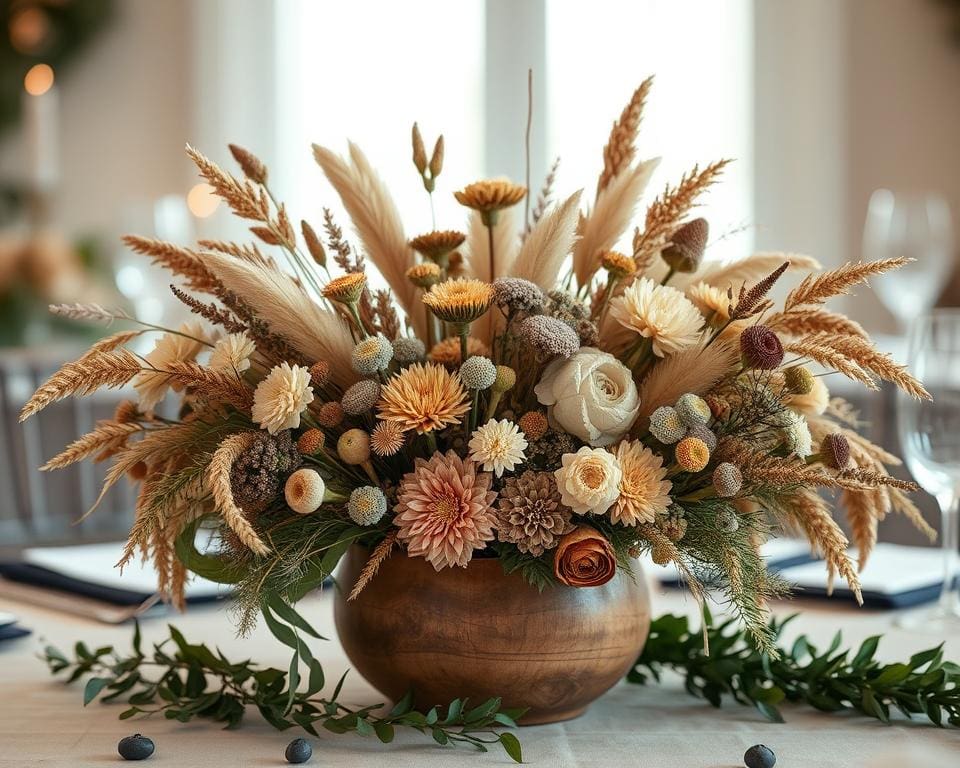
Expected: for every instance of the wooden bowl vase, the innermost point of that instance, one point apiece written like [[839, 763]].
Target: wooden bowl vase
[[477, 632]]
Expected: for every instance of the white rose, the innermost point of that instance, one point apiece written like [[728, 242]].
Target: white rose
[[589, 480], [591, 395]]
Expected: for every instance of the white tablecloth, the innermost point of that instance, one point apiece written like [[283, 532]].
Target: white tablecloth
[[42, 722]]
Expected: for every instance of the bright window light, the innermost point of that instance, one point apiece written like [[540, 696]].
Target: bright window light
[[700, 109]]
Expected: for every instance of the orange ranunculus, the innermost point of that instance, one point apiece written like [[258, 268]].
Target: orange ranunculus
[[584, 558]]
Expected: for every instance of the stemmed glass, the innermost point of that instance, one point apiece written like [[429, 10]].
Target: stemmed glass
[[916, 226], [930, 438]]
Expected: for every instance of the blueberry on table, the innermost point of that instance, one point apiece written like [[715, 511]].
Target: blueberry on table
[[135, 747], [759, 756], [298, 751]]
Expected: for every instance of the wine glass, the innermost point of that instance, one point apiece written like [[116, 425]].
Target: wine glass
[[917, 226], [930, 437]]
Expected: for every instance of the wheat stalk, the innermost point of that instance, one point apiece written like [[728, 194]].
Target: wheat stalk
[[812, 348], [817, 289], [90, 313], [106, 434], [382, 551], [82, 377], [621, 148], [862, 513], [665, 213], [179, 261], [612, 213], [218, 478], [245, 201], [543, 199], [801, 322]]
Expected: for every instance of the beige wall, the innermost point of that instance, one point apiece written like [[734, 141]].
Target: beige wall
[[125, 109]]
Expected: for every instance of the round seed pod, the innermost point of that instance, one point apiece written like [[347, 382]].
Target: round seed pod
[[760, 348], [367, 505], [320, 374], [330, 414], [372, 354], [727, 521], [478, 372], [310, 442], [505, 380], [687, 245], [727, 479], [533, 424], [692, 454], [408, 349], [360, 397], [703, 433], [693, 410], [353, 447], [304, 491], [666, 426], [835, 451], [798, 380]]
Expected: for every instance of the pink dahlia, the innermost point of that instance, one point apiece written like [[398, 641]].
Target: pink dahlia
[[445, 510]]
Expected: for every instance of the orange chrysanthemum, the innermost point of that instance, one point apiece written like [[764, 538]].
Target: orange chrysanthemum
[[445, 510], [447, 352], [436, 245], [459, 301], [644, 489], [387, 438], [346, 288], [491, 195], [424, 398]]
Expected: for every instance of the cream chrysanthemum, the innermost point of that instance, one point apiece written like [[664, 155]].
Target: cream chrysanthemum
[[281, 397], [498, 445], [445, 510], [589, 480], [644, 493], [659, 313], [423, 397], [713, 302], [179, 347], [232, 353]]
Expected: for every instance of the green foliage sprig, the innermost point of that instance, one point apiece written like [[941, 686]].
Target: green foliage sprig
[[830, 680], [193, 681]]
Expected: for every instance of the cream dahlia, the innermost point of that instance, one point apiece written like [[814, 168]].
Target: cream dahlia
[[659, 313], [445, 510], [232, 353], [644, 493], [589, 480], [713, 302], [280, 398], [498, 445], [179, 347]]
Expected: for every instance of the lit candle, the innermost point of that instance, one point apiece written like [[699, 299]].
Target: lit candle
[[41, 118]]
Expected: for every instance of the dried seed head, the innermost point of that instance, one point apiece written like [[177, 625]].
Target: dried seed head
[[252, 167], [692, 454], [314, 246], [799, 380], [693, 410], [687, 245], [304, 491], [666, 426], [367, 505], [360, 397], [835, 451], [310, 442], [701, 432], [436, 159], [419, 150], [478, 372], [727, 479], [330, 415], [533, 424], [353, 447], [760, 348], [320, 374], [505, 379]]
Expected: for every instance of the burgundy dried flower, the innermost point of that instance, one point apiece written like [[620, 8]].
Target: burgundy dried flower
[[835, 451], [687, 245], [760, 348]]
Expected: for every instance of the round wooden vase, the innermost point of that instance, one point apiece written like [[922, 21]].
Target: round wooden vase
[[477, 632]]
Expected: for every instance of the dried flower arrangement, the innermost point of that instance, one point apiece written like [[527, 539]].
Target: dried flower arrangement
[[651, 402]]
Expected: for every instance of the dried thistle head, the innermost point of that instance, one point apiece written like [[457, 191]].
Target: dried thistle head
[[835, 451], [687, 245]]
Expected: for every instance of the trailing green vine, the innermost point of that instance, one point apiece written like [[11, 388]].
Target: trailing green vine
[[184, 681]]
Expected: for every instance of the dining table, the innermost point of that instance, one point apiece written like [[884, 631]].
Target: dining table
[[659, 725]]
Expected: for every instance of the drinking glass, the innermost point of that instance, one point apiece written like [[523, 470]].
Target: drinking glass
[[915, 225], [930, 438]]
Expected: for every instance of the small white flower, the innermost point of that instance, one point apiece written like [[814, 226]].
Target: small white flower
[[498, 445], [232, 353], [797, 436], [179, 347], [659, 313], [281, 397], [589, 480]]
